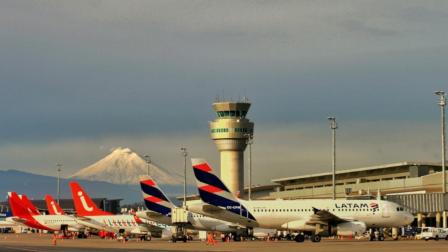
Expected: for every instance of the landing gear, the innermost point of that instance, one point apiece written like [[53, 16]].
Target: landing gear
[[315, 238], [299, 238]]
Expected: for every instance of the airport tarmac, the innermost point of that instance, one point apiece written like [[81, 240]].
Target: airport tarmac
[[43, 243]]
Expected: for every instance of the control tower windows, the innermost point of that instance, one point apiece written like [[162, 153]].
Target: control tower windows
[[232, 113], [220, 130]]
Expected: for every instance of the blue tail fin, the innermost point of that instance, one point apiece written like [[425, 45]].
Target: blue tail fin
[[214, 192], [155, 199]]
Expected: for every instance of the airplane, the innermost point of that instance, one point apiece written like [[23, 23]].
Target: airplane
[[160, 209], [53, 207], [90, 215], [23, 213], [344, 217]]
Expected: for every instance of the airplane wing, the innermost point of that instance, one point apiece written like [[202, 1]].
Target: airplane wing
[[224, 214], [18, 220], [149, 214], [88, 222], [4, 224], [322, 216]]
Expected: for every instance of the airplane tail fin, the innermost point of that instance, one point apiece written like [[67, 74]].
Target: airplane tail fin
[[155, 199], [214, 192], [18, 209], [53, 207], [26, 202], [23, 212], [84, 205]]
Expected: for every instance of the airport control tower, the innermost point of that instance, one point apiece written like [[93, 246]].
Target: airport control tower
[[230, 131]]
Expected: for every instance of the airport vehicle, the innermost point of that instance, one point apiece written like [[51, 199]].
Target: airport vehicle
[[160, 209], [22, 213], [90, 215], [433, 233], [53, 207], [344, 217]]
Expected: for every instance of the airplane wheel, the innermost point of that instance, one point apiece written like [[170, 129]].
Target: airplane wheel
[[436, 238], [315, 238], [299, 238]]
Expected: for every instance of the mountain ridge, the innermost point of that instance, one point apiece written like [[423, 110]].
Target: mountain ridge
[[35, 186]]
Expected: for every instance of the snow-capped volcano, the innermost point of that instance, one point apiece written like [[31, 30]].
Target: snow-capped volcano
[[123, 166]]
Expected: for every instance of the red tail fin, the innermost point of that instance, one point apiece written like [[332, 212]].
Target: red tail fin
[[53, 207], [84, 205], [17, 207], [24, 212], [27, 203]]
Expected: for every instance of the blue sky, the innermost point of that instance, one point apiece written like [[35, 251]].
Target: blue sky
[[81, 77]]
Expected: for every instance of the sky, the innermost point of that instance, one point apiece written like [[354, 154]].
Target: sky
[[79, 78]]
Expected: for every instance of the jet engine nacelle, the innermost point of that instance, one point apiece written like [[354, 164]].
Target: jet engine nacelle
[[351, 228], [299, 225]]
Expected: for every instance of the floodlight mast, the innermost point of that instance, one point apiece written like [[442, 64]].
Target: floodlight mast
[[442, 104], [333, 127]]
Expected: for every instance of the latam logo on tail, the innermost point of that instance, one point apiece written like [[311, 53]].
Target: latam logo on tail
[[84, 202]]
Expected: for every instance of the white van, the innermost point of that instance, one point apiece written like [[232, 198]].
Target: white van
[[434, 233]]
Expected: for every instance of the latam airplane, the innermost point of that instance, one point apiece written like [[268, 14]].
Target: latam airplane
[[341, 216], [23, 213], [160, 209], [90, 215]]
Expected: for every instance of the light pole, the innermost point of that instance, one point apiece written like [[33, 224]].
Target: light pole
[[250, 141], [442, 103], [148, 162], [185, 154], [333, 127], [59, 181]]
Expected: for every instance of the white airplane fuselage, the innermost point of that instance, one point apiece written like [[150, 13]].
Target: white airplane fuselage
[[294, 214], [56, 222]]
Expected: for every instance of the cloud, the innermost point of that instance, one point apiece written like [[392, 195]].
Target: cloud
[[278, 150], [79, 75]]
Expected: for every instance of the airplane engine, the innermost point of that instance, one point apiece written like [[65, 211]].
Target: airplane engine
[[351, 228], [299, 225]]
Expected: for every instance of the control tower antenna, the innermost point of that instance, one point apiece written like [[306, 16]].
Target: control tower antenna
[[230, 131]]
